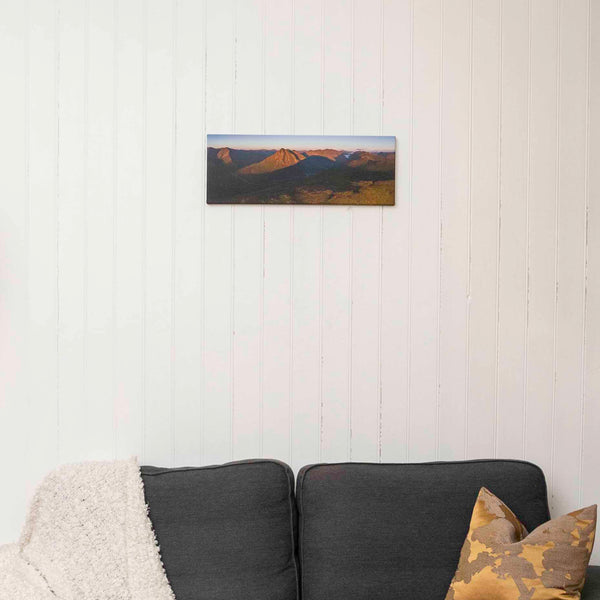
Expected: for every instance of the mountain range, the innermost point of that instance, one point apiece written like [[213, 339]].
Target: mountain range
[[304, 176], [255, 162]]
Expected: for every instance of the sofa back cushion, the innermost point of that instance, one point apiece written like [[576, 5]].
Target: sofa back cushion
[[389, 531], [226, 532]]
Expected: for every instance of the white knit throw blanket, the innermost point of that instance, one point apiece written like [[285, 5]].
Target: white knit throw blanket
[[87, 537]]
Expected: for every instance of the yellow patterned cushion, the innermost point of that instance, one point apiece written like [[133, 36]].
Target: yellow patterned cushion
[[501, 561]]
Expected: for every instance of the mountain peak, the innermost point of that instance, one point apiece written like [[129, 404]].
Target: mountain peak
[[286, 153], [281, 159], [224, 155]]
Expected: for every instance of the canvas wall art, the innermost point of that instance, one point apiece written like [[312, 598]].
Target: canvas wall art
[[300, 169]]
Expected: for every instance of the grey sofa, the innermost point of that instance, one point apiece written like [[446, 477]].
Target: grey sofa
[[351, 531]]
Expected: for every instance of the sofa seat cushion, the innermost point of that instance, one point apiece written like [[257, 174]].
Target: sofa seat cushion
[[389, 531], [591, 589], [226, 532]]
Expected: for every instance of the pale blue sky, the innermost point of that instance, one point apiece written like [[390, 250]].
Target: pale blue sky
[[370, 143]]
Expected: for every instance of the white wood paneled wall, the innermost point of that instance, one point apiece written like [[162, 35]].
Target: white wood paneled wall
[[463, 322]]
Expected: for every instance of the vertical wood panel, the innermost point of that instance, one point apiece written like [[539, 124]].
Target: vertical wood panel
[[248, 240], [129, 229], [277, 236], [189, 220], [366, 242], [455, 206], [71, 229], [573, 49], [305, 337], [306, 256], [42, 235], [246, 372], [160, 198], [424, 274], [218, 257], [542, 227], [337, 117], [513, 230], [481, 318], [99, 212], [14, 205], [397, 107], [590, 484], [276, 411]]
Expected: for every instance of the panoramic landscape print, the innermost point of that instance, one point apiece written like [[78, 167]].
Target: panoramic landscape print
[[298, 169]]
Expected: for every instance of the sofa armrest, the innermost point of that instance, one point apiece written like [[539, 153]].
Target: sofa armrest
[[591, 590]]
